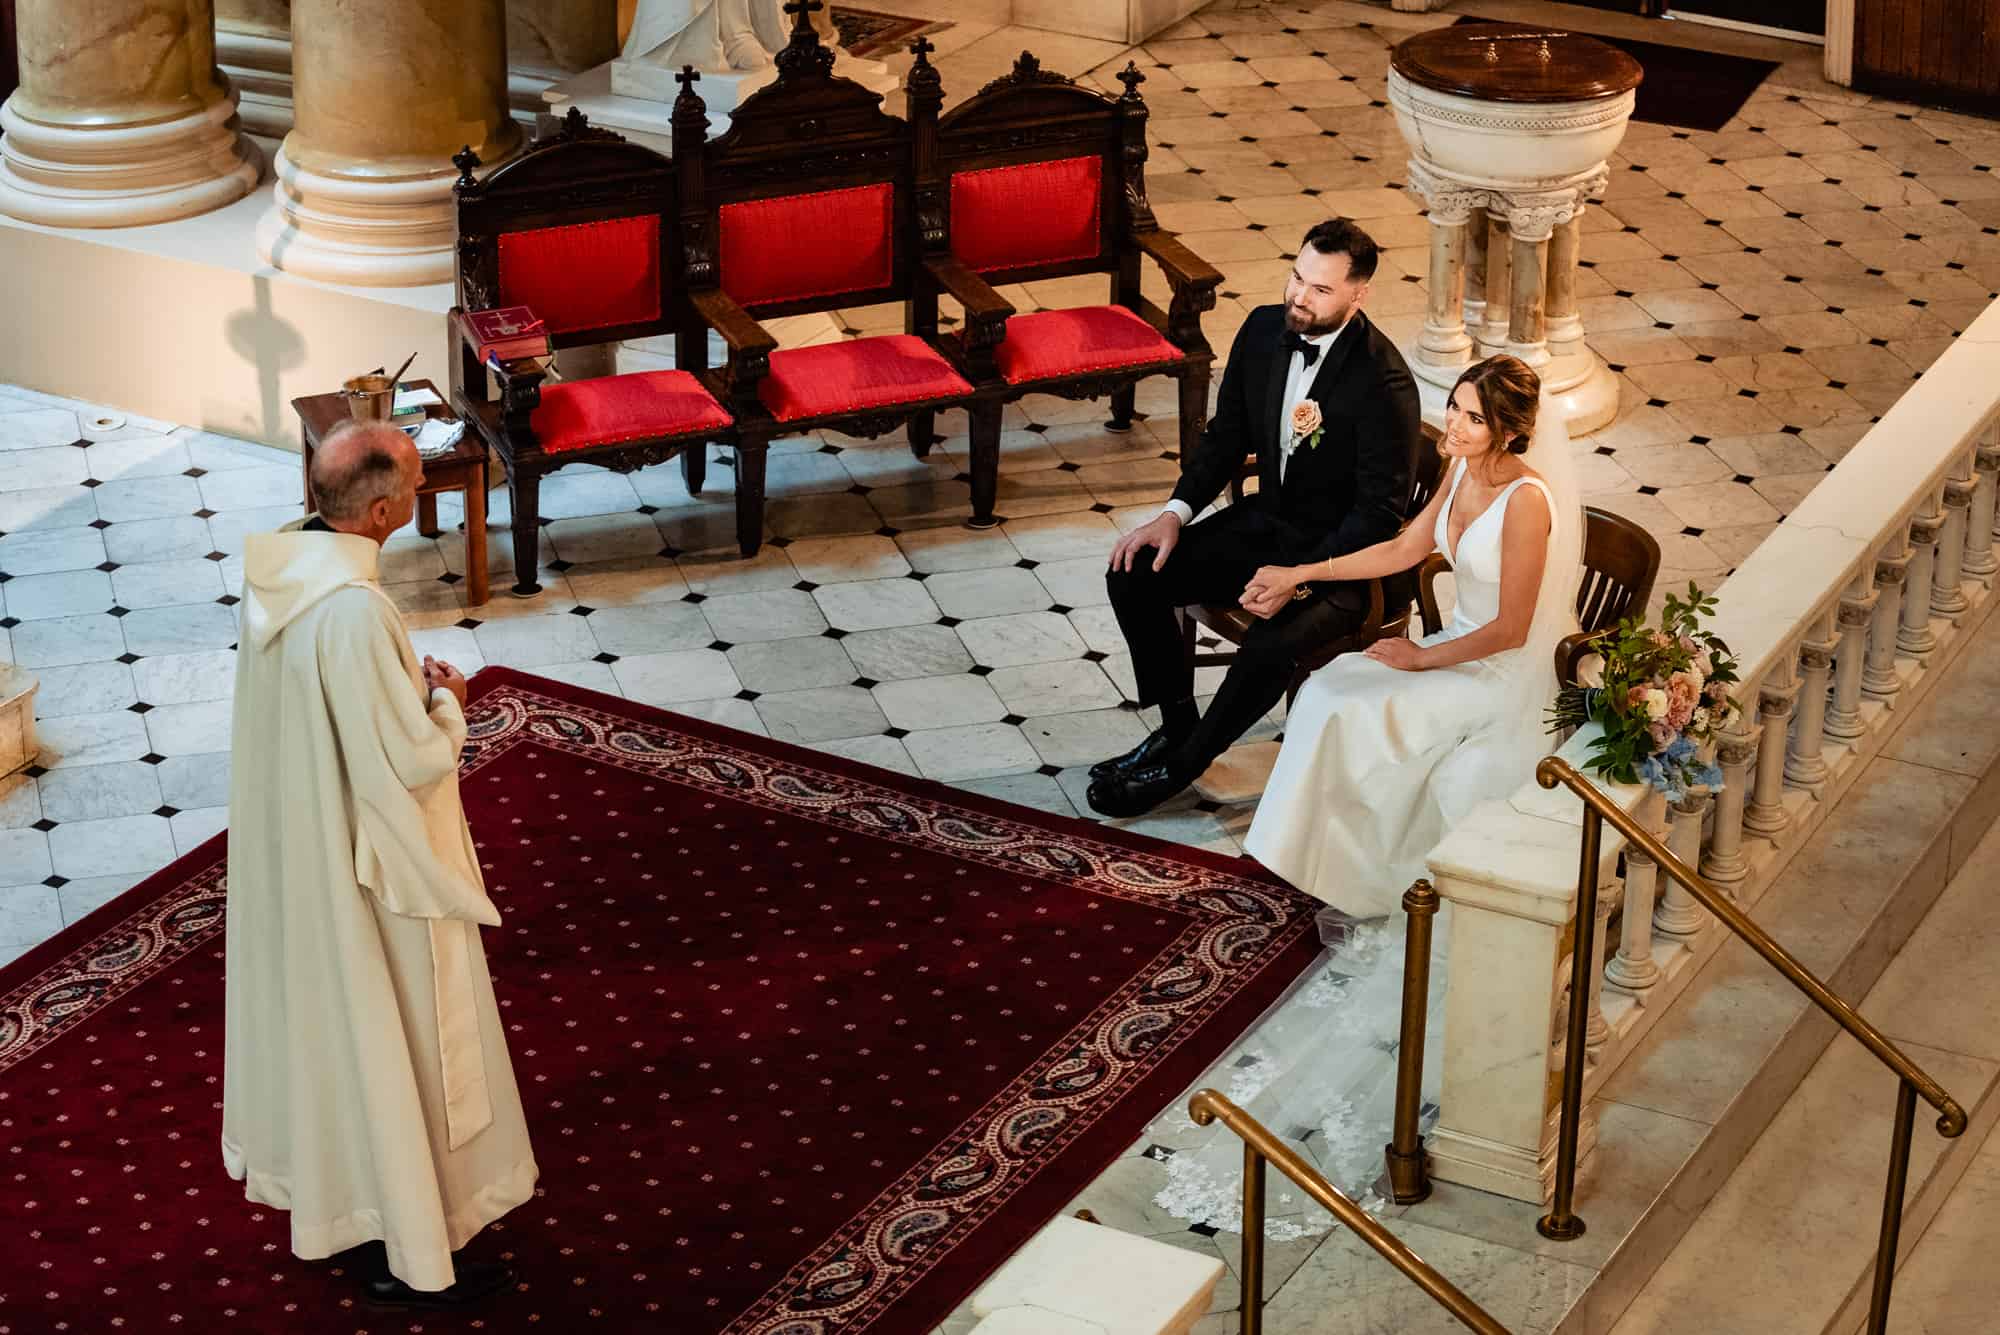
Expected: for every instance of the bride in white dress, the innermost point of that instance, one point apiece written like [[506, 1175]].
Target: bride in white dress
[[1383, 752]]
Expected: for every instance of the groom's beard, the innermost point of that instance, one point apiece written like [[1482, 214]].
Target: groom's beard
[[1300, 321]]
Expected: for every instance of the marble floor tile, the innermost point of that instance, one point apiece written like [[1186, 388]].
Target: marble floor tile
[[775, 614], [38, 428], [80, 898], [650, 628], [178, 679], [46, 507], [1035, 689], [589, 674], [844, 560], [796, 664], [29, 914], [146, 541], [572, 494], [167, 583], [247, 488], [111, 847], [454, 644], [229, 527], [977, 751], [883, 752], [728, 711], [92, 739], [1084, 737], [145, 456], [1037, 791], [822, 713], [150, 498], [60, 594], [876, 604], [214, 452], [60, 641], [629, 582], [191, 781], [24, 857], [36, 468], [180, 630], [675, 678], [984, 593], [724, 570], [604, 537], [97, 792], [529, 642], [938, 702], [1023, 637], [900, 652], [83, 688], [933, 550], [43, 551], [1077, 583], [190, 729], [20, 801]]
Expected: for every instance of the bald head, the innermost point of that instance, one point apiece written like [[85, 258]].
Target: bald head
[[364, 476]]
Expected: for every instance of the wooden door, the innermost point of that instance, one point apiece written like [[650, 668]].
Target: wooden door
[[1940, 52]]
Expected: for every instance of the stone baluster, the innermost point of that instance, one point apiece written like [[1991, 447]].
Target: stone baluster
[[1948, 570], [1633, 968], [1805, 765], [1445, 344], [384, 92], [121, 117], [1915, 636], [1499, 283], [1878, 677], [1598, 1027], [1765, 813], [1723, 862], [1680, 915], [1565, 319], [1856, 615], [1980, 560]]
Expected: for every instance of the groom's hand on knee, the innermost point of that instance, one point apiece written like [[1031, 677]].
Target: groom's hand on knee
[[1161, 534]]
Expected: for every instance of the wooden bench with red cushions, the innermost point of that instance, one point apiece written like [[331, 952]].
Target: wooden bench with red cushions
[[583, 229], [1036, 177], [804, 206]]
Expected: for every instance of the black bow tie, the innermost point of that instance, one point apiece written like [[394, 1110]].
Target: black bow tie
[[1305, 347]]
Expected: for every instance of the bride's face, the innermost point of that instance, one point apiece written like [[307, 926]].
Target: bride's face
[[1467, 434]]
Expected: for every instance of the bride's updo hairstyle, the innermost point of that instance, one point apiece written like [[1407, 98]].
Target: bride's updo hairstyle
[[1509, 395]]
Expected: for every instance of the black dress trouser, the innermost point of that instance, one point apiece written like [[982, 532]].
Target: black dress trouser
[[1212, 563]]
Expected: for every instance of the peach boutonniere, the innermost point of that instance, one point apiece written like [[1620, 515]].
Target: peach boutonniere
[[1307, 426]]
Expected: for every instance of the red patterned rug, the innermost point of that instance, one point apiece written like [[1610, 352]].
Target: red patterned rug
[[865, 34], [807, 1048]]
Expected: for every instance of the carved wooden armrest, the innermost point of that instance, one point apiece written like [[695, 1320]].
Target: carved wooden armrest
[[1427, 603], [1184, 268], [986, 311], [719, 311]]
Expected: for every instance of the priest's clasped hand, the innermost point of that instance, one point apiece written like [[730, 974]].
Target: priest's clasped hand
[[438, 673], [1270, 589]]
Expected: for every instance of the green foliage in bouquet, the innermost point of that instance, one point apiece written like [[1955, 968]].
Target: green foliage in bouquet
[[1659, 693]]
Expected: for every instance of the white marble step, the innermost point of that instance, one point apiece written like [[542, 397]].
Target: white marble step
[[1948, 1282], [1075, 1278], [1810, 1190]]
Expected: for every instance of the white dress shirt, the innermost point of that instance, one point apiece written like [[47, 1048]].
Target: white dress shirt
[[1298, 384]]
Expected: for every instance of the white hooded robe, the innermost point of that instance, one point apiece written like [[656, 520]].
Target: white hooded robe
[[366, 1082]]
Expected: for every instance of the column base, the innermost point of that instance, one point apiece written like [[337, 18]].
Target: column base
[[367, 231], [1509, 1170], [124, 175], [1578, 385], [259, 66]]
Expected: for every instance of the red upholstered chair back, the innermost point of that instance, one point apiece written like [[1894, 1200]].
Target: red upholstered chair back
[[811, 247], [587, 276], [1028, 214]]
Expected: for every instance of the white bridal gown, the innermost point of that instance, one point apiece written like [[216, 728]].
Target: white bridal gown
[[1377, 764]]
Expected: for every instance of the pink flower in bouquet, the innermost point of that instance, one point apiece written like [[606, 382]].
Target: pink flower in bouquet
[[1663, 735], [1653, 703], [1704, 663], [1717, 692], [1683, 693]]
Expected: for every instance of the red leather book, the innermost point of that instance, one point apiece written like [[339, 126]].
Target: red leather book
[[508, 332]]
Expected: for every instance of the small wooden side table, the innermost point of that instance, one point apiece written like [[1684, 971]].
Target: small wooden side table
[[464, 469]]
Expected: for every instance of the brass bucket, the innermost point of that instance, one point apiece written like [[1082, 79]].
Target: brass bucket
[[370, 397]]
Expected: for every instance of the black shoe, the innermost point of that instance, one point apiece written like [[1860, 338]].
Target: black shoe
[[1149, 752], [1136, 793], [477, 1281]]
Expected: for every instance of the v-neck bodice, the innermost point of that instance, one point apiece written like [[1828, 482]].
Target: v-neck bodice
[[1476, 562]]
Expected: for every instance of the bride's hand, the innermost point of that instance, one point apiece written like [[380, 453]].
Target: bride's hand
[[1398, 653], [1268, 591]]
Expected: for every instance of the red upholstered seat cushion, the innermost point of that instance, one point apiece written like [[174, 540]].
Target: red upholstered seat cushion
[[594, 275], [856, 375], [796, 247], [1086, 338], [576, 414], [1034, 213]]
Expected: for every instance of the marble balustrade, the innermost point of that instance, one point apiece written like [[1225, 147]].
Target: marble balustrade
[[1837, 621]]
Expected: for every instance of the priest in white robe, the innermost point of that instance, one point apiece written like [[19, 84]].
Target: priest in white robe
[[366, 1083]]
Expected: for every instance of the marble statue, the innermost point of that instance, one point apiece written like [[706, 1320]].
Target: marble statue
[[708, 34]]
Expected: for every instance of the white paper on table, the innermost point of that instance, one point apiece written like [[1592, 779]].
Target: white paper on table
[[437, 436], [409, 400]]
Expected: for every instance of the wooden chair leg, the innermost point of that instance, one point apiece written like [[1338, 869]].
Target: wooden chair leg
[[1194, 409], [923, 434], [1122, 409], [526, 488], [750, 495], [985, 464], [694, 467]]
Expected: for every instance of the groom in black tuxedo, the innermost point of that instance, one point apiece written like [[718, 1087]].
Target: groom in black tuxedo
[[1316, 498]]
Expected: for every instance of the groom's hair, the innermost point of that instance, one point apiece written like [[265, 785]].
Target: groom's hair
[[1338, 236]]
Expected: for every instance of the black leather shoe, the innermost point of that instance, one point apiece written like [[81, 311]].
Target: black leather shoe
[[477, 1281], [1136, 793], [1149, 752]]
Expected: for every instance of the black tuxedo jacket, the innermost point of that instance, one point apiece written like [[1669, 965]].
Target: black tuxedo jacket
[[1350, 491]]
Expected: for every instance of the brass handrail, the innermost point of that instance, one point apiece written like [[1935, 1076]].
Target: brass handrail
[[1259, 1147], [1561, 1221]]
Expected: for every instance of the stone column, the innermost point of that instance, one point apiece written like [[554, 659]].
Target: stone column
[[1476, 227], [1857, 613], [1765, 813], [253, 45], [1805, 767], [1445, 344], [1979, 558], [1916, 637], [121, 117], [1947, 598], [1724, 863], [1499, 283], [549, 40], [385, 92], [1565, 320], [1531, 220], [1679, 914], [1878, 674]]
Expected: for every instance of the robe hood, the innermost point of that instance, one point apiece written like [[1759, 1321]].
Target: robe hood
[[287, 572]]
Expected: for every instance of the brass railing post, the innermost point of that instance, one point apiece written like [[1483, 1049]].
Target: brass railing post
[[1561, 1222], [1892, 1207], [1253, 1241], [1409, 1181]]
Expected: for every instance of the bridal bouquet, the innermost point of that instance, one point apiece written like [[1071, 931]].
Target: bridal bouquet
[[1659, 694]]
